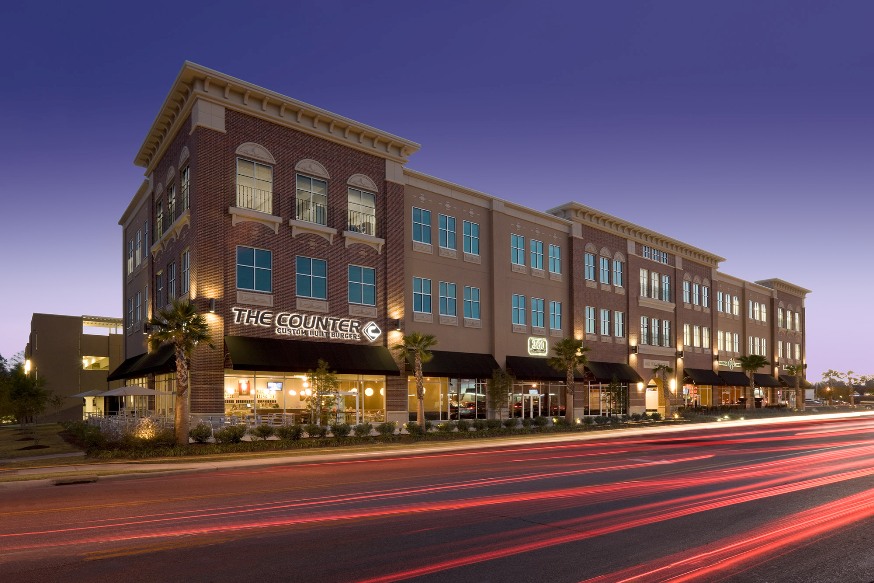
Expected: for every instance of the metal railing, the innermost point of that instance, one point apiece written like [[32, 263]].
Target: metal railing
[[312, 212], [361, 222], [255, 199]]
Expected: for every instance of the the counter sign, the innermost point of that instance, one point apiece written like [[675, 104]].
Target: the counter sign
[[371, 331]]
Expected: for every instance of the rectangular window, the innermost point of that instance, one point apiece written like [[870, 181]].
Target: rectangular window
[[254, 187], [421, 295], [687, 292], [736, 342], [471, 238], [130, 312], [750, 345], [644, 283], [171, 281], [779, 349], [718, 301], [589, 266], [666, 288], [705, 337], [696, 294], [555, 315], [519, 309], [311, 278], [720, 341], [185, 269], [605, 270], [362, 285], [605, 322], [554, 259], [446, 231], [764, 311], [448, 306], [705, 296], [361, 211], [130, 256], [159, 219], [780, 318], [798, 321], [618, 273], [159, 290], [171, 205], [619, 324], [764, 347], [797, 351], [757, 312], [788, 320], [644, 330], [184, 189], [138, 255], [666, 334], [517, 249], [750, 310], [654, 331], [138, 314], [538, 306], [654, 285], [311, 203], [696, 336], [735, 307], [687, 335], [590, 319], [471, 302], [757, 345], [254, 270], [421, 226], [536, 254]]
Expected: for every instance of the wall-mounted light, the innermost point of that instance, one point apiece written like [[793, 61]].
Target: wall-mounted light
[[639, 387], [395, 324], [212, 305], [679, 354], [634, 349]]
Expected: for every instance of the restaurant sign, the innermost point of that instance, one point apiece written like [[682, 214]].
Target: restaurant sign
[[730, 364], [308, 325], [538, 346]]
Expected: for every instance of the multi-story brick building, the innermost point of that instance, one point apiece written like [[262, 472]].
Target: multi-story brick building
[[303, 235]]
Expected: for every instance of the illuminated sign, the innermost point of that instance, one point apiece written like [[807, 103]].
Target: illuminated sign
[[538, 346], [307, 325], [730, 364]]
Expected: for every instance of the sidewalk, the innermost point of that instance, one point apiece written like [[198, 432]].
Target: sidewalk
[[93, 471]]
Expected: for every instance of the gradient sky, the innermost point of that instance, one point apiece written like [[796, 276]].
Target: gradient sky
[[745, 128]]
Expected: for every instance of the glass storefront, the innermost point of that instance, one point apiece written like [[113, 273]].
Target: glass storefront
[[449, 398], [695, 396], [536, 399]]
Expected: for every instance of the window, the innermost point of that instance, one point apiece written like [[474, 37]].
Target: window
[[139, 249], [750, 345], [644, 330], [687, 292], [720, 341], [780, 318], [130, 257], [590, 266], [696, 294], [798, 321], [554, 259], [448, 299], [159, 219], [757, 345], [519, 309], [764, 347], [185, 268], [666, 334], [605, 322], [130, 312], [421, 295], [619, 324], [312, 278], [735, 306], [705, 296], [471, 238], [644, 283], [618, 269], [687, 335], [536, 254], [797, 351], [604, 270], [421, 226], [254, 270], [517, 249], [171, 281], [184, 189], [718, 301], [788, 320], [555, 315], [146, 247], [705, 337], [537, 312], [471, 302], [654, 331], [736, 342], [666, 288], [311, 204], [254, 186], [779, 349], [138, 314], [590, 320], [159, 290], [362, 285], [654, 285], [696, 336], [171, 204], [446, 231], [361, 214]]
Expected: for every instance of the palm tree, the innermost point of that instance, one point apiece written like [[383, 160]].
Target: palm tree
[[851, 381], [568, 355], [829, 377], [796, 371], [662, 371], [182, 326], [750, 364], [419, 345]]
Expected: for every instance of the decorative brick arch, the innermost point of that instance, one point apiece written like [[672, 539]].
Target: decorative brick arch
[[363, 182], [256, 152], [312, 168]]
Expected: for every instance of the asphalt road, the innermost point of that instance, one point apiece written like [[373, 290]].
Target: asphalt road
[[789, 502]]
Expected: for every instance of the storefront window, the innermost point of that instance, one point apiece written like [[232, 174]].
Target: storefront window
[[449, 398]]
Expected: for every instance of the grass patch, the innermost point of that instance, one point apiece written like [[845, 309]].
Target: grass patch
[[16, 442]]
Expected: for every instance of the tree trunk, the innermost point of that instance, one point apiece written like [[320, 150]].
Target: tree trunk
[[569, 407], [799, 396], [420, 393], [751, 391], [666, 391], [181, 404]]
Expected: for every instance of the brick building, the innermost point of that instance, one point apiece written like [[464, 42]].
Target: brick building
[[303, 235]]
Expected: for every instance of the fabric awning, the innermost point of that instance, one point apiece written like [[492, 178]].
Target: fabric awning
[[274, 354], [766, 380], [703, 376], [605, 371], [162, 360], [531, 368], [789, 381], [734, 378], [463, 365]]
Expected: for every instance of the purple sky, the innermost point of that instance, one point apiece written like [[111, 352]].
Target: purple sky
[[745, 128]]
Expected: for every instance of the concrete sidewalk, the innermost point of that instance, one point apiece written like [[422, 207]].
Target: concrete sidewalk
[[92, 471]]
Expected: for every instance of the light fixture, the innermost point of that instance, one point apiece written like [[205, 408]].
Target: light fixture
[[395, 324], [634, 349], [212, 305], [679, 354], [640, 386], [368, 392]]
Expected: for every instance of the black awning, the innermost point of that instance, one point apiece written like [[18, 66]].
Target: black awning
[[789, 381], [766, 380], [703, 376], [531, 368], [461, 365], [734, 378], [274, 354], [605, 371], [162, 360]]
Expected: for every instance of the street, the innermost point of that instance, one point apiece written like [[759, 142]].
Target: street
[[772, 502]]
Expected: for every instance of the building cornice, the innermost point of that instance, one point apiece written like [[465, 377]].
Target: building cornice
[[590, 217], [197, 82], [784, 286], [136, 202]]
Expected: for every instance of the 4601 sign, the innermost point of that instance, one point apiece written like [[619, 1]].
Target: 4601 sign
[[538, 346]]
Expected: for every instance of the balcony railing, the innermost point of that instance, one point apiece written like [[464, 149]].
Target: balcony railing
[[254, 199], [361, 222], [312, 212]]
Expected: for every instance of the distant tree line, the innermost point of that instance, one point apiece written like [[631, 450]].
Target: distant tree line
[[22, 396]]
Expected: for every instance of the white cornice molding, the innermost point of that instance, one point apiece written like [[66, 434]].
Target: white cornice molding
[[198, 82], [136, 203], [784, 286], [602, 221]]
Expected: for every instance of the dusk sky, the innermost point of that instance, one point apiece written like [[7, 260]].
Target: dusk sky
[[745, 128]]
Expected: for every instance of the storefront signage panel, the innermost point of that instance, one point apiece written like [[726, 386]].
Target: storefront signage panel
[[538, 346], [307, 325]]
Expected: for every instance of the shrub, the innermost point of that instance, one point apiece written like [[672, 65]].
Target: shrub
[[414, 428], [601, 420], [289, 432], [614, 420], [541, 421], [263, 432], [340, 430], [362, 430], [635, 416], [588, 421], [644, 416], [386, 428], [230, 434], [493, 424], [656, 416], [85, 435], [201, 432], [480, 424], [527, 422], [428, 426], [463, 425], [562, 423], [314, 430], [446, 427], [510, 423]]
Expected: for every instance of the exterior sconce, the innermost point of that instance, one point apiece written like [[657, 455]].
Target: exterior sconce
[[679, 354], [395, 324], [212, 305], [634, 349], [639, 387]]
